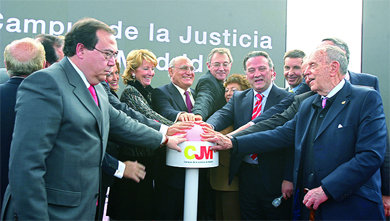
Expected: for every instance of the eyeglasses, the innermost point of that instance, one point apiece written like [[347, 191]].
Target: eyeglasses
[[107, 54], [185, 68], [217, 64]]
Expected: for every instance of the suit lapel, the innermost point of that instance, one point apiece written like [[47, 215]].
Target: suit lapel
[[247, 105], [273, 97], [341, 101], [82, 93], [177, 97]]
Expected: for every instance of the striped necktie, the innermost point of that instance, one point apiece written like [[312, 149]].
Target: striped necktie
[[257, 109], [256, 113]]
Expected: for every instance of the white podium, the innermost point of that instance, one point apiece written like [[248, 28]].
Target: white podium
[[194, 154]]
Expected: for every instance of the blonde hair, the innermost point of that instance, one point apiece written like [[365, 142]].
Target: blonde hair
[[134, 60]]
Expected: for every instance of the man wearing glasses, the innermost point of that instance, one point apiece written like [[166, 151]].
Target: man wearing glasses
[[173, 101], [63, 119], [209, 90]]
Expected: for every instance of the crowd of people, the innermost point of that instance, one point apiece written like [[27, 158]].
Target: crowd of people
[[68, 138]]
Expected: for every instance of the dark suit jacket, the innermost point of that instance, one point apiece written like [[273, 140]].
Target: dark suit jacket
[[210, 96], [237, 112], [168, 102], [348, 149], [363, 79], [7, 120], [59, 144]]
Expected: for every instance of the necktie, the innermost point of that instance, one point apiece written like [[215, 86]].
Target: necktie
[[256, 112], [324, 102], [93, 93], [257, 109], [188, 101]]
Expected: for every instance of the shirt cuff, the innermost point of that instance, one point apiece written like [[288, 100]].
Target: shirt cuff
[[251, 123], [121, 170], [163, 129]]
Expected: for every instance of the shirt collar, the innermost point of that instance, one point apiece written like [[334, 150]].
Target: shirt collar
[[87, 84], [264, 93], [294, 89], [181, 90]]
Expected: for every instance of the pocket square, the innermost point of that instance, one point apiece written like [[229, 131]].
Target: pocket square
[[340, 126]]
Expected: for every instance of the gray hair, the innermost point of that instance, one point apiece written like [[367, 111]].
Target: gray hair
[[24, 56], [334, 53], [340, 44], [220, 51]]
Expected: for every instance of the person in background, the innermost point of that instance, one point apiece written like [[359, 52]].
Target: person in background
[[53, 47], [22, 57], [209, 89], [113, 79], [226, 195], [293, 72], [138, 77]]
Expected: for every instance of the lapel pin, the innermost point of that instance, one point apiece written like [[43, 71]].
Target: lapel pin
[[342, 102], [340, 126]]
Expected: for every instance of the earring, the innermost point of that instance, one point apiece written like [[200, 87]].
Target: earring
[[133, 75]]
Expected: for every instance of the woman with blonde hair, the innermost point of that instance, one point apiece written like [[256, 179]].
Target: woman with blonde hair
[[129, 200]]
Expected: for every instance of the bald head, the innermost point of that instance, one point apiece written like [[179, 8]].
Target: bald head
[[23, 57]]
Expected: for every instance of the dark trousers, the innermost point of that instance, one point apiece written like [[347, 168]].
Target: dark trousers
[[256, 200], [129, 200]]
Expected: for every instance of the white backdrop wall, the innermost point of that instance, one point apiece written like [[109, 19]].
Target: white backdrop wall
[[309, 21]]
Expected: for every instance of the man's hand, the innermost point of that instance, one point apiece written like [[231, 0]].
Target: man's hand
[[222, 142], [314, 198], [189, 117], [287, 189], [179, 128], [243, 127], [173, 141], [134, 171], [386, 204]]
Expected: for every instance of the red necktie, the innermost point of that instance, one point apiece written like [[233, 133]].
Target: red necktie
[[188, 101], [256, 112], [93, 93]]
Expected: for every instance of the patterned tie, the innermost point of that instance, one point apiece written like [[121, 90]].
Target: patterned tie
[[256, 112], [93, 93], [188, 101], [324, 102]]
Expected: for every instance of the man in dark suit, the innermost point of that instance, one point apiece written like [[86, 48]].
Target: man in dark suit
[[61, 158], [21, 57], [340, 143], [172, 101], [260, 180], [293, 72], [210, 92]]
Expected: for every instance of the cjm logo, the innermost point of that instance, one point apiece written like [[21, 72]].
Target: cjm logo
[[205, 153]]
